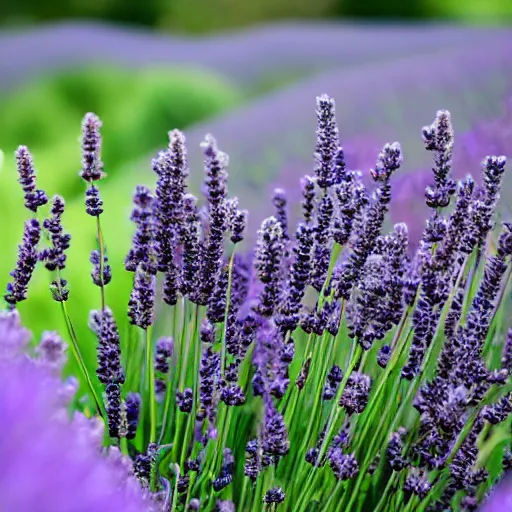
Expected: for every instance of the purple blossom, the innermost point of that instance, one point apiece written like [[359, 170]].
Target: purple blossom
[[51, 351], [308, 198], [141, 307], [298, 278], [98, 278], [334, 377], [356, 392], [109, 350], [143, 250], [34, 198], [93, 201], [132, 407], [27, 260], [274, 437], [279, 200], [238, 224], [14, 338], [92, 166], [439, 138], [113, 408], [368, 230], [80, 478], [274, 495], [209, 375], [55, 257], [344, 467], [253, 463], [215, 188], [394, 450], [191, 240], [323, 243], [416, 483], [269, 253], [185, 399], [327, 141]]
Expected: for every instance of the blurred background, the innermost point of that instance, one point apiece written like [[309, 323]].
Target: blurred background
[[248, 72]]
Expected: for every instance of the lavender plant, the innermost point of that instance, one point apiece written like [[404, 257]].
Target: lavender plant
[[333, 367]]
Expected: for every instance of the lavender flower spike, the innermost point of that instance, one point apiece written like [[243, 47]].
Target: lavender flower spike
[[27, 259], [141, 307], [327, 141], [268, 264], [142, 251], [132, 408], [97, 278], [109, 350], [92, 166], [438, 137], [55, 256], [215, 189], [279, 201], [34, 198]]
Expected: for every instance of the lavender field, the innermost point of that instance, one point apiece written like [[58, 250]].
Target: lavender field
[[328, 329]]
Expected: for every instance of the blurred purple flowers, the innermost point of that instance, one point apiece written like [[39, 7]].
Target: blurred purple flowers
[[50, 464]]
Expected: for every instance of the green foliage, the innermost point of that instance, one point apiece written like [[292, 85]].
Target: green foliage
[[137, 108]]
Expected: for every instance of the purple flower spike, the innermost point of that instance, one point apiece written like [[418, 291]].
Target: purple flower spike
[[253, 459], [355, 395], [268, 264], [327, 141], [27, 259], [298, 280], [275, 495], [143, 251], [104, 326], [92, 166], [185, 400], [308, 198], [132, 406], [191, 240], [279, 200], [439, 138], [416, 483], [113, 408], [323, 243], [141, 307], [215, 189], [93, 202], [238, 224], [344, 467], [395, 449], [97, 278], [55, 257], [275, 441], [34, 198]]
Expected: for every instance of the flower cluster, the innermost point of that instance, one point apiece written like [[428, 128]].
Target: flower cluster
[[333, 367]]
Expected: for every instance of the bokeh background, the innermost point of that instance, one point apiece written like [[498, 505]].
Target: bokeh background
[[248, 72]]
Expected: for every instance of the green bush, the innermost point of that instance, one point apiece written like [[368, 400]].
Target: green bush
[[137, 108]]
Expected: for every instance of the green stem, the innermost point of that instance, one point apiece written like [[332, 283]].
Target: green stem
[[102, 261], [150, 370], [79, 359]]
